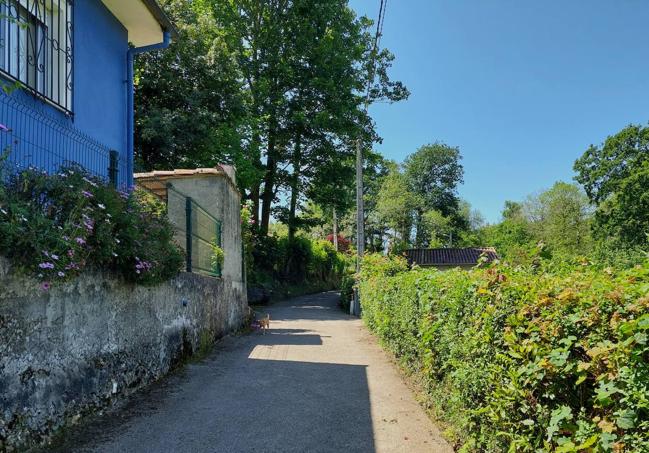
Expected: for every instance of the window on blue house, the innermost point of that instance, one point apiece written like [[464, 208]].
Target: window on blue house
[[36, 47]]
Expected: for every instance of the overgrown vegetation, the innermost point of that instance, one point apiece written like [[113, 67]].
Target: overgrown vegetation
[[553, 357], [56, 226], [290, 266]]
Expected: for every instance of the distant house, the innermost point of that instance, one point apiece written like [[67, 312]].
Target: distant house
[[448, 258], [73, 61]]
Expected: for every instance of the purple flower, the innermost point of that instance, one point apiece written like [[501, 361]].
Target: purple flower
[[80, 241], [88, 222], [142, 266], [55, 257], [45, 252], [46, 286], [70, 253], [61, 274], [86, 194], [46, 266]]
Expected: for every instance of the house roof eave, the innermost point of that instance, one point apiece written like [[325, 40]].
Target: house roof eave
[[144, 20], [161, 16]]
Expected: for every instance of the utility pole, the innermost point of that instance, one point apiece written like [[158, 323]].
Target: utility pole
[[355, 306]]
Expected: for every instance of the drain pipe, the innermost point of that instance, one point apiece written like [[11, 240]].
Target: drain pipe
[[130, 100]]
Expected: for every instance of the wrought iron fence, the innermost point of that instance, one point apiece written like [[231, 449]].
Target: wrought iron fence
[[34, 138], [36, 48]]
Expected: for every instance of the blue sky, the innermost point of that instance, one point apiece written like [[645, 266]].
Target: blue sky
[[523, 87]]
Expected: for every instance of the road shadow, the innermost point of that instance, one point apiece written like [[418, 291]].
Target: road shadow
[[232, 402], [317, 307], [274, 338]]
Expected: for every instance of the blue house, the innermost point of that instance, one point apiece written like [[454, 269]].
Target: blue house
[[73, 64]]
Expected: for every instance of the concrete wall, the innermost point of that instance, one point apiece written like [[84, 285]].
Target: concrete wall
[[218, 196], [85, 344]]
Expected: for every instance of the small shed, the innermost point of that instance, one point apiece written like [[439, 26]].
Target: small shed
[[449, 258], [204, 206]]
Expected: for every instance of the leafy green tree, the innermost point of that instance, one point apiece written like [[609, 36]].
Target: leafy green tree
[[305, 65], [471, 236], [614, 177], [438, 229], [560, 217], [276, 87], [513, 210], [376, 169], [624, 216], [434, 172], [512, 238], [189, 103], [396, 205]]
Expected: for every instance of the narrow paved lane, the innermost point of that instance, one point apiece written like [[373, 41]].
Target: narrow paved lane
[[317, 382]]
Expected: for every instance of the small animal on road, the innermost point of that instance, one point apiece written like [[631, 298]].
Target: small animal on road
[[264, 324]]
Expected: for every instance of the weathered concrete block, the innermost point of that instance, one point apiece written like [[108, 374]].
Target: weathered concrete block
[[85, 344]]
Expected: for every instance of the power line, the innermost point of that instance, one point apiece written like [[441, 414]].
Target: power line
[[375, 49]]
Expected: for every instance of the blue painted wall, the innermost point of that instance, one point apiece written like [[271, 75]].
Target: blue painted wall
[[44, 136], [101, 43]]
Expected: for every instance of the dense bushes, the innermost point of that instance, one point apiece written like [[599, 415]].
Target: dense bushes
[[302, 263], [522, 359], [55, 226]]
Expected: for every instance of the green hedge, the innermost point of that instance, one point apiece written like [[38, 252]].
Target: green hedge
[[521, 359]]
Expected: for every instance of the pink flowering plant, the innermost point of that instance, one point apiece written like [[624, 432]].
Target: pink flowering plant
[[55, 226]]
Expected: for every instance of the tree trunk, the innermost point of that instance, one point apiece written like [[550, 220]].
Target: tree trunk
[[269, 184], [421, 239], [335, 228], [295, 189], [254, 196]]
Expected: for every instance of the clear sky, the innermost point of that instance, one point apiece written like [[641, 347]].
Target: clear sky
[[523, 87]]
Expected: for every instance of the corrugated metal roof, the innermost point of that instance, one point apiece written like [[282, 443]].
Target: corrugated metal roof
[[450, 256]]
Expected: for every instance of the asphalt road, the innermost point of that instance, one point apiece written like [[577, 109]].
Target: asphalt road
[[317, 382]]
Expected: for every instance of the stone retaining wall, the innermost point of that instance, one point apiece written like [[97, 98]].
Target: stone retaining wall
[[84, 344]]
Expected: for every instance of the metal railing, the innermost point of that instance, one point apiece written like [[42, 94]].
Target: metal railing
[[36, 48], [197, 230], [37, 139]]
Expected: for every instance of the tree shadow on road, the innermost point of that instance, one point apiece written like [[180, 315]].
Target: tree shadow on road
[[231, 402]]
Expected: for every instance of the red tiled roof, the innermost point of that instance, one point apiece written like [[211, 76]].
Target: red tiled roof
[[450, 257]]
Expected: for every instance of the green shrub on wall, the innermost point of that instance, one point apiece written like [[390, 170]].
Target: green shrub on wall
[[522, 359], [56, 226]]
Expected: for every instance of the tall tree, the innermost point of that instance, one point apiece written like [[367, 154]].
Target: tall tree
[[560, 217], [396, 205], [189, 103], [614, 176], [434, 172], [305, 65]]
